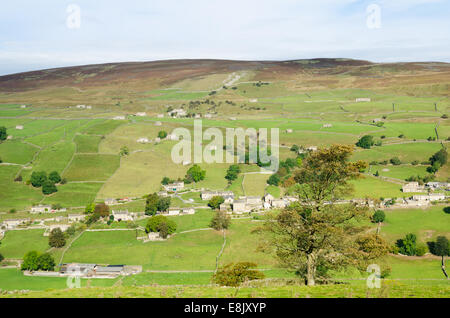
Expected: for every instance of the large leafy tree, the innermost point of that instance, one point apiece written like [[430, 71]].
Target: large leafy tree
[[3, 133], [442, 248], [195, 173], [54, 177], [366, 142], [151, 204], [56, 238], [38, 178], [30, 261], [315, 235], [48, 187], [45, 262], [215, 202], [235, 274], [220, 221]]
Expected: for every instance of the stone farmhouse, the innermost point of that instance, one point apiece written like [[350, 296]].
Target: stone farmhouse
[[141, 114], [412, 187], [41, 209], [208, 195], [19, 127], [122, 215], [429, 197], [178, 113], [143, 140], [438, 185], [12, 224], [110, 201], [174, 187], [73, 218]]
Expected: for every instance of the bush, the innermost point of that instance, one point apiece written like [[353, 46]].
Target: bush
[[365, 142], [415, 162], [162, 134], [196, 174], [1, 258], [396, 161], [421, 249], [407, 246], [215, 202], [154, 222], [54, 177], [234, 275], [56, 238], [38, 178], [378, 217], [48, 187], [274, 180], [3, 133], [220, 221]]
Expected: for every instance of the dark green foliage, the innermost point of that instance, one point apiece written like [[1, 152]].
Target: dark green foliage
[[441, 157], [234, 275], [396, 161], [196, 174], [45, 262], [1, 258], [378, 216], [220, 221], [274, 180], [163, 204], [3, 133], [232, 173], [30, 261], [38, 178], [441, 246], [215, 202], [56, 238], [54, 177], [366, 142], [48, 187], [162, 134], [156, 203], [151, 205], [408, 245], [153, 224], [166, 181]]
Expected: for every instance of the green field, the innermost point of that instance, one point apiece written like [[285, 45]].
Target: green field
[[93, 167]]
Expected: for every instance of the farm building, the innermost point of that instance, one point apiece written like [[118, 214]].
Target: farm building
[[188, 210], [23, 106], [158, 123], [62, 227], [254, 201], [122, 215], [289, 131], [429, 197], [160, 116], [141, 114], [363, 99], [41, 209], [119, 118], [312, 148], [174, 187], [412, 187], [174, 211], [207, 195], [239, 206], [12, 224], [110, 201], [143, 140], [279, 203], [76, 217], [173, 137], [327, 126], [438, 185], [19, 127], [253, 100], [178, 113], [268, 198]]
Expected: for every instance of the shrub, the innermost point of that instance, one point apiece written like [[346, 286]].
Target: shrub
[[274, 180], [421, 249], [154, 222], [162, 134], [378, 217], [220, 221], [415, 162], [407, 246], [396, 161], [196, 173], [234, 275], [48, 187], [38, 178], [1, 258], [56, 238], [215, 202], [365, 142]]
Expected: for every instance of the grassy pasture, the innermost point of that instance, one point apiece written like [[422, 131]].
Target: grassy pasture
[[13, 194], [174, 94], [372, 187], [17, 152], [13, 279], [16, 243], [426, 224], [86, 143], [255, 184], [95, 167], [187, 251], [408, 152], [400, 172], [53, 158], [74, 194]]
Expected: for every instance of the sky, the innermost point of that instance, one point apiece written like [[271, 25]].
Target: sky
[[47, 33]]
